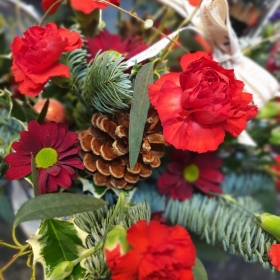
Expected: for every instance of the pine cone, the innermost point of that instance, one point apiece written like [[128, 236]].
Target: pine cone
[[105, 150]]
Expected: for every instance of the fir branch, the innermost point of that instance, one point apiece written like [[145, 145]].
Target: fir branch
[[107, 88], [96, 224], [76, 61], [216, 221], [241, 184]]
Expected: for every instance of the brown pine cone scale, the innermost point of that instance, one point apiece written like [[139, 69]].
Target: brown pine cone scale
[[105, 150]]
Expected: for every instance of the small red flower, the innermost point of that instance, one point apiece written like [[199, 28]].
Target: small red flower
[[272, 62], [35, 57], [85, 6], [188, 171], [105, 41], [158, 252], [194, 2], [55, 151], [274, 255], [197, 106]]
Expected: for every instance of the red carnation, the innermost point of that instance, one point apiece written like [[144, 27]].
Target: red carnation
[[158, 252], [198, 105], [274, 255], [85, 6], [105, 41], [55, 151], [35, 57], [188, 171]]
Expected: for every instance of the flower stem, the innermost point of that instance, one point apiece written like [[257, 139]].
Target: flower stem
[[48, 11], [15, 238], [33, 276], [119, 206], [141, 20], [270, 38], [9, 245]]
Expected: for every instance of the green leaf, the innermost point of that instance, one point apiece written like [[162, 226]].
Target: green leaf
[[89, 186], [6, 211], [57, 241], [44, 111], [139, 111], [56, 205], [17, 111], [199, 271]]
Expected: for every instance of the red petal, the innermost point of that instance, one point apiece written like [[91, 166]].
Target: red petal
[[189, 135], [70, 139], [235, 125], [70, 152], [188, 58], [137, 236], [207, 186], [182, 191], [17, 172], [155, 89], [211, 175], [56, 70], [169, 101], [49, 134], [18, 159], [54, 170], [194, 2], [63, 178], [46, 4], [43, 180], [274, 255], [87, 6], [28, 144], [127, 268], [73, 39]]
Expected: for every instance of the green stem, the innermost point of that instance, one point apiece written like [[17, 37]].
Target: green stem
[[9, 245], [88, 253], [15, 238], [48, 11], [141, 20], [82, 100], [20, 252], [119, 205]]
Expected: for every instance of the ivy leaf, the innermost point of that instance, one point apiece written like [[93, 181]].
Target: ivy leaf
[[199, 271], [89, 186], [57, 241], [139, 111], [56, 205]]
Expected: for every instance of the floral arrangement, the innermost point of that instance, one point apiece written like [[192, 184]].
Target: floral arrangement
[[131, 143]]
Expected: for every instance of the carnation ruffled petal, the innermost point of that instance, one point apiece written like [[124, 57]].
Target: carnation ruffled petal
[[188, 58], [155, 89], [274, 255]]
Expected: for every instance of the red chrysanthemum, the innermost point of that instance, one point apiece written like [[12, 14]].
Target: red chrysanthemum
[[35, 57], [85, 6], [189, 170], [274, 255], [111, 42], [197, 106], [158, 252], [55, 151]]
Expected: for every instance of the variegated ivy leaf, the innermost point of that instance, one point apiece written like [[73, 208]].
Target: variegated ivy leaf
[[56, 241]]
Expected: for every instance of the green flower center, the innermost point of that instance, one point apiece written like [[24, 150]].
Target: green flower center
[[46, 158], [191, 173]]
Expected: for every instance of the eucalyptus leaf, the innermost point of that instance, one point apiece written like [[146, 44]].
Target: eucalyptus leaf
[[44, 112], [199, 271], [56, 205], [139, 111], [57, 241]]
